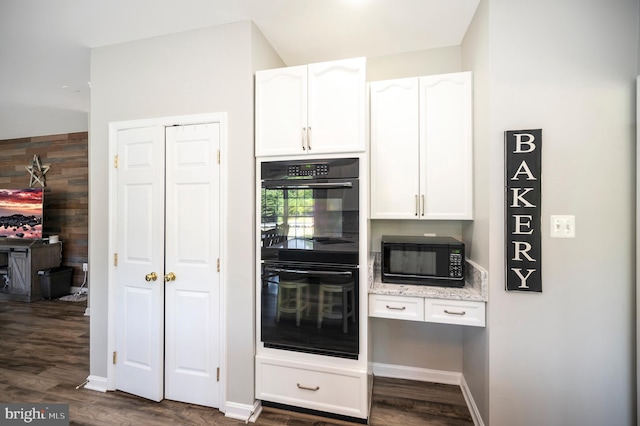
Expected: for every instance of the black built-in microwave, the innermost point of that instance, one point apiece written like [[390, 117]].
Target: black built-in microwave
[[436, 261]]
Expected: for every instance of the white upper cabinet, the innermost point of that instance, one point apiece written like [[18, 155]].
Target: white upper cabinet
[[446, 145], [311, 109], [281, 110], [421, 148], [395, 152]]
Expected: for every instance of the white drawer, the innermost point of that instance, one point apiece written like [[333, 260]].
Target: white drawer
[[396, 307], [460, 312], [338, 393]]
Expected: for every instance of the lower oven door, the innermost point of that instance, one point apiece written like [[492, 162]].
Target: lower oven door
[[310, 307]]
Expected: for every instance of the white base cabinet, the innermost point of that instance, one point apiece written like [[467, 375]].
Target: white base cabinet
[[324, 388], [311, 109], [421, 148], [444, 311], [395, 307]]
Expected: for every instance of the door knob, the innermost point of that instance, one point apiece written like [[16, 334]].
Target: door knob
[[169, 277], [151, 277]]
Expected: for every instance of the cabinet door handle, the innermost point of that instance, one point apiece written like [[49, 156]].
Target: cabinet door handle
[[309, 138], [396, 309], [416, 204], [454, 313], [422, 197], [304, 138], [317, 388]]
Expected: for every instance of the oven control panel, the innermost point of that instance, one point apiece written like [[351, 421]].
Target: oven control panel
[[308, 170]]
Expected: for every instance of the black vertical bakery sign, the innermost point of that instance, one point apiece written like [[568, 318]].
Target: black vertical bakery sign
[[523, 195]]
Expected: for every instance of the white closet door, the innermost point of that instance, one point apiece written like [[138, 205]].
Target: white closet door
[[192, 250], [140, 255]]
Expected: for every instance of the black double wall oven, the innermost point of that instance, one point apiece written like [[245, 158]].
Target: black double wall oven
[[310, 255]]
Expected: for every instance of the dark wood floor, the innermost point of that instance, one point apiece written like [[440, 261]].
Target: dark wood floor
[[44, 356]]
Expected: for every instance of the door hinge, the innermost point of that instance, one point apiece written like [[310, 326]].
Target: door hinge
[[115, 259], [218, 265], [115, 162], [115, 357], [218, 156], [218, 374]]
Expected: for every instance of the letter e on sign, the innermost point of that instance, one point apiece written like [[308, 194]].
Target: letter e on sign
[[523, 164]]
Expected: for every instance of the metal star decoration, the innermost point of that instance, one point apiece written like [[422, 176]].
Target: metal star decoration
[[37, 171]]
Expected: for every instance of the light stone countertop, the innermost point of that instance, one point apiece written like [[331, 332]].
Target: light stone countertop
[[475, 288]]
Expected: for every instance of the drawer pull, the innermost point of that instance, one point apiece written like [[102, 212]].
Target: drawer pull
[[308, 388], [396, 309], [454, 313]]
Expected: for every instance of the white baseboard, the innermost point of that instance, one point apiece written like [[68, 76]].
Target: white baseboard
[[244, 412], [97, 383], [414, 373], [434, 376], [473, 408]]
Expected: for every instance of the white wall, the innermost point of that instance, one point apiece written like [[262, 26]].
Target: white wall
[[565, 356], [414, 64], [475, 57], [202, 71]]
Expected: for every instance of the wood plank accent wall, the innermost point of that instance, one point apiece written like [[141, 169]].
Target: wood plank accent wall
[[66, 199]]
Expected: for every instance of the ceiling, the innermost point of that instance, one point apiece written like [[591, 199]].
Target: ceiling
[[45, 44]]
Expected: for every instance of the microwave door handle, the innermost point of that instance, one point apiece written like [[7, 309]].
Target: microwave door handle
[[416, 276], [311, 185]]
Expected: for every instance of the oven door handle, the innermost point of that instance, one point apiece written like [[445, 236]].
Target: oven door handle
[[311, 185], [300, 271]]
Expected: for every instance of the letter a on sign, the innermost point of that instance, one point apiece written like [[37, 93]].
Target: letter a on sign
[[522, 209]]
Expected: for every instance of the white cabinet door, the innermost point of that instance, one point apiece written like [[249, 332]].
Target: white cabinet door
[[325, 388], [461, 312], [396, 307], [421, 148], [281, 111], [394, 149], [336, 114], [311, 109], [446, 157]]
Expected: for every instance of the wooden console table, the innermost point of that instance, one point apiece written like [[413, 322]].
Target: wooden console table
[[20, 261]]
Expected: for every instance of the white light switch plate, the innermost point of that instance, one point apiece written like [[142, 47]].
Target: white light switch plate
[[562, 226]]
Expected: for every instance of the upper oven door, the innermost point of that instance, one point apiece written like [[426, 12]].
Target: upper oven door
[[301, 215]]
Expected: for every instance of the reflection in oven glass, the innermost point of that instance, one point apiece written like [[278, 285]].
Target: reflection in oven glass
[[313, 314]]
